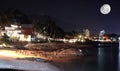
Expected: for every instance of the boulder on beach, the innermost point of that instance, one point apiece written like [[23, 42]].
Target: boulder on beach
[[69, 52]]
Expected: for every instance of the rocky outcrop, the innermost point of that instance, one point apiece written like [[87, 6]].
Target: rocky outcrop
[[50, 55]]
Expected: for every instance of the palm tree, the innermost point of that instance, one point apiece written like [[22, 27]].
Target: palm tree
[[50, 26]]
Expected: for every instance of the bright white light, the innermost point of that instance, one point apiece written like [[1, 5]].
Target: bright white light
[[82, 40], [80, 36], [119, 38], [105, 9], [80, 50], [72, 40]]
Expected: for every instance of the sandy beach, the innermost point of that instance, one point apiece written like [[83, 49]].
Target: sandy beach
[[12, 62]]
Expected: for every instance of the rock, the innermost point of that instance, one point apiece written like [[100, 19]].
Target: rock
[[69, 52]]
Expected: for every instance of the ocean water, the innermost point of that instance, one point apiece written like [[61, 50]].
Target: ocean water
[[103, 59]]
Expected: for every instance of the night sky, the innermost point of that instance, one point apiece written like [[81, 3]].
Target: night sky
[[71, 14]]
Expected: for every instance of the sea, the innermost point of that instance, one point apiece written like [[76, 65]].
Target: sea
[[104, 58]]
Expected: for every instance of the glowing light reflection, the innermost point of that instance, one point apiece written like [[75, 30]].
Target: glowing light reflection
[[119, 58]]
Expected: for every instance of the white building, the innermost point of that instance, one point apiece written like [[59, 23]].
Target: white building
[[87, 32], [16, 32], [102, 33], [119, 38]]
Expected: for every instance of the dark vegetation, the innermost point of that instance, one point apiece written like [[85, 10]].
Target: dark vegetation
[[5, 39], [45, 25]]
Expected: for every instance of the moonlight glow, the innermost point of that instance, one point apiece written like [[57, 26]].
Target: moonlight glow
[[105, 9]]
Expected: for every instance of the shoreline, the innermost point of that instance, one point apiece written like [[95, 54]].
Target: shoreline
[[55, 58], [26, 64], [51, 58]]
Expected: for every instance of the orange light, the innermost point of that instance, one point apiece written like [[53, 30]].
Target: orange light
[[13, 54]]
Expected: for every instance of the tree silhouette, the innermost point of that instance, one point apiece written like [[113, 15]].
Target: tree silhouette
[[48, 28], [16, 16]]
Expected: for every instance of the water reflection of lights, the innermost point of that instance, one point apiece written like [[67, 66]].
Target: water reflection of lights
[[119, 58], [100, 58]]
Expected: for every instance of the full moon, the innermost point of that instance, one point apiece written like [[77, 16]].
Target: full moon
[[105, 9]]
